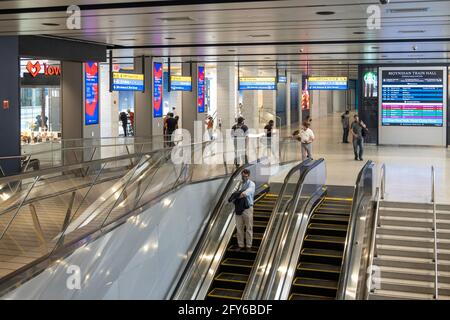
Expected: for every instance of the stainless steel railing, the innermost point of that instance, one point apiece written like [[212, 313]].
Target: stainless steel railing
[[435, 256]]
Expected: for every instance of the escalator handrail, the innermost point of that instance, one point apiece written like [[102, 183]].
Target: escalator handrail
[[262, 257], [285, 228], [201, 242], [355, 214]]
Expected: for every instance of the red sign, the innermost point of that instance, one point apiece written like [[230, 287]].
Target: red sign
[[35, 68], [5, 104]]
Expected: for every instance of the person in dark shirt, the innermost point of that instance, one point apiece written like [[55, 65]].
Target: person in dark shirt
[[124, 118], [268, 129], [239, 132], [171, 126]]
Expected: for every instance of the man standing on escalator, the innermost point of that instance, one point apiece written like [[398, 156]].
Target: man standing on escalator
[[244, 219]]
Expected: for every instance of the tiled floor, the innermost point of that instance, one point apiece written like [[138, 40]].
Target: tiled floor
[[408, 169]]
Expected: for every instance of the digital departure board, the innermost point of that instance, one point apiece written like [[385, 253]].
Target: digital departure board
[[412, 98], [327, 83], [127, 82], [180, 83]]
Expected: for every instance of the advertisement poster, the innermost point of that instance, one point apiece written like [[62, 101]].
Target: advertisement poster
[[201, 90], [257, 83], [128, 82], [91, 104], [157, 89], [370, 83], [180, 83], [412, 98], [305, 93], [327, 83]]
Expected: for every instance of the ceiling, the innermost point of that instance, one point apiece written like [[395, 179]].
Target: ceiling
[[290, 34]]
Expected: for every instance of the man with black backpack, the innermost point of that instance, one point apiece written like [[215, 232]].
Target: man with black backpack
[[243, 202], [359, 130]]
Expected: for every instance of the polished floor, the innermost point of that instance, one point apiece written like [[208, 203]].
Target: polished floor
[[408, 169]]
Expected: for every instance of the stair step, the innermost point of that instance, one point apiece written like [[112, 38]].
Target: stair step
[[411, 205], [404, 251], [327, 239], [412, 241], [410, 263], [233, 262], [300, 296], [413, 232], [322, 253], [411, 213], [413, 286], [398, 295], [232, 277], [222, 293], [256, 236], [413, 274], [316, 283], [319, 267], [414, 222]]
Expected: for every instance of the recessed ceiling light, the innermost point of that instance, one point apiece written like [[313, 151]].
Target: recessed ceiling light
[[375, 47], [259, 35], [169, 38], [231, 50], [176, 19], [267, 58], [411, 31], [50, 24], [384, 56], [407, 10], [131, 39], [325, 13], [359, 32]]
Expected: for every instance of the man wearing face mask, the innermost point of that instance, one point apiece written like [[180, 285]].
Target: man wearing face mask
[[243, 199]]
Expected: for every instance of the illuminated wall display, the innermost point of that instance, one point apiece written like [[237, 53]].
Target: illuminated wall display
[[257, 83], [412, 98], [327, 83], [128, 82], [91, 104], [180, 83], [157, 90], [201, 89]]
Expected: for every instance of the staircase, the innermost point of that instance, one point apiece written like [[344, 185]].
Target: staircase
[[235, 268], [320, 260], [403, 266]]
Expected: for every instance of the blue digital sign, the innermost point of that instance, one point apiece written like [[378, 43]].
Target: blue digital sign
[[179, 83], [91, 105], [128, 82], [257, 83], [327, 83]]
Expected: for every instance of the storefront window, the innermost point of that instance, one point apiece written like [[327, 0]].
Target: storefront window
[[40, 110]]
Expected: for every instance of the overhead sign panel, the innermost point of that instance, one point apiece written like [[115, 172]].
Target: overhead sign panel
[[180, 83], [327, 83], [257, 83], [128, 82]]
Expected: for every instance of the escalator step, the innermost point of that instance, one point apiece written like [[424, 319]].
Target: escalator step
[[235, 249], [319, 267], [256, 236], [260, 224], [299, 296], [325, 239], [338, 200], [222, 293], [323, 226], [243, 263], [322, 253], [232, 277], [330, 217], [316, 283]]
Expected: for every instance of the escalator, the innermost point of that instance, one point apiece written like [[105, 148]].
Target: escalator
[[319, 265], [235, 267]]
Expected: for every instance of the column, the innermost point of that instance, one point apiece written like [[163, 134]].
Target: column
[[143, 115], [109, 106], [189, 100], [10, 105], [288, 102], [227, 94]]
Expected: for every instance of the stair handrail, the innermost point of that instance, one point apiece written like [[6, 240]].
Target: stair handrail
[[263, 257], [375, 225], [359, 195], [435, 253]]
